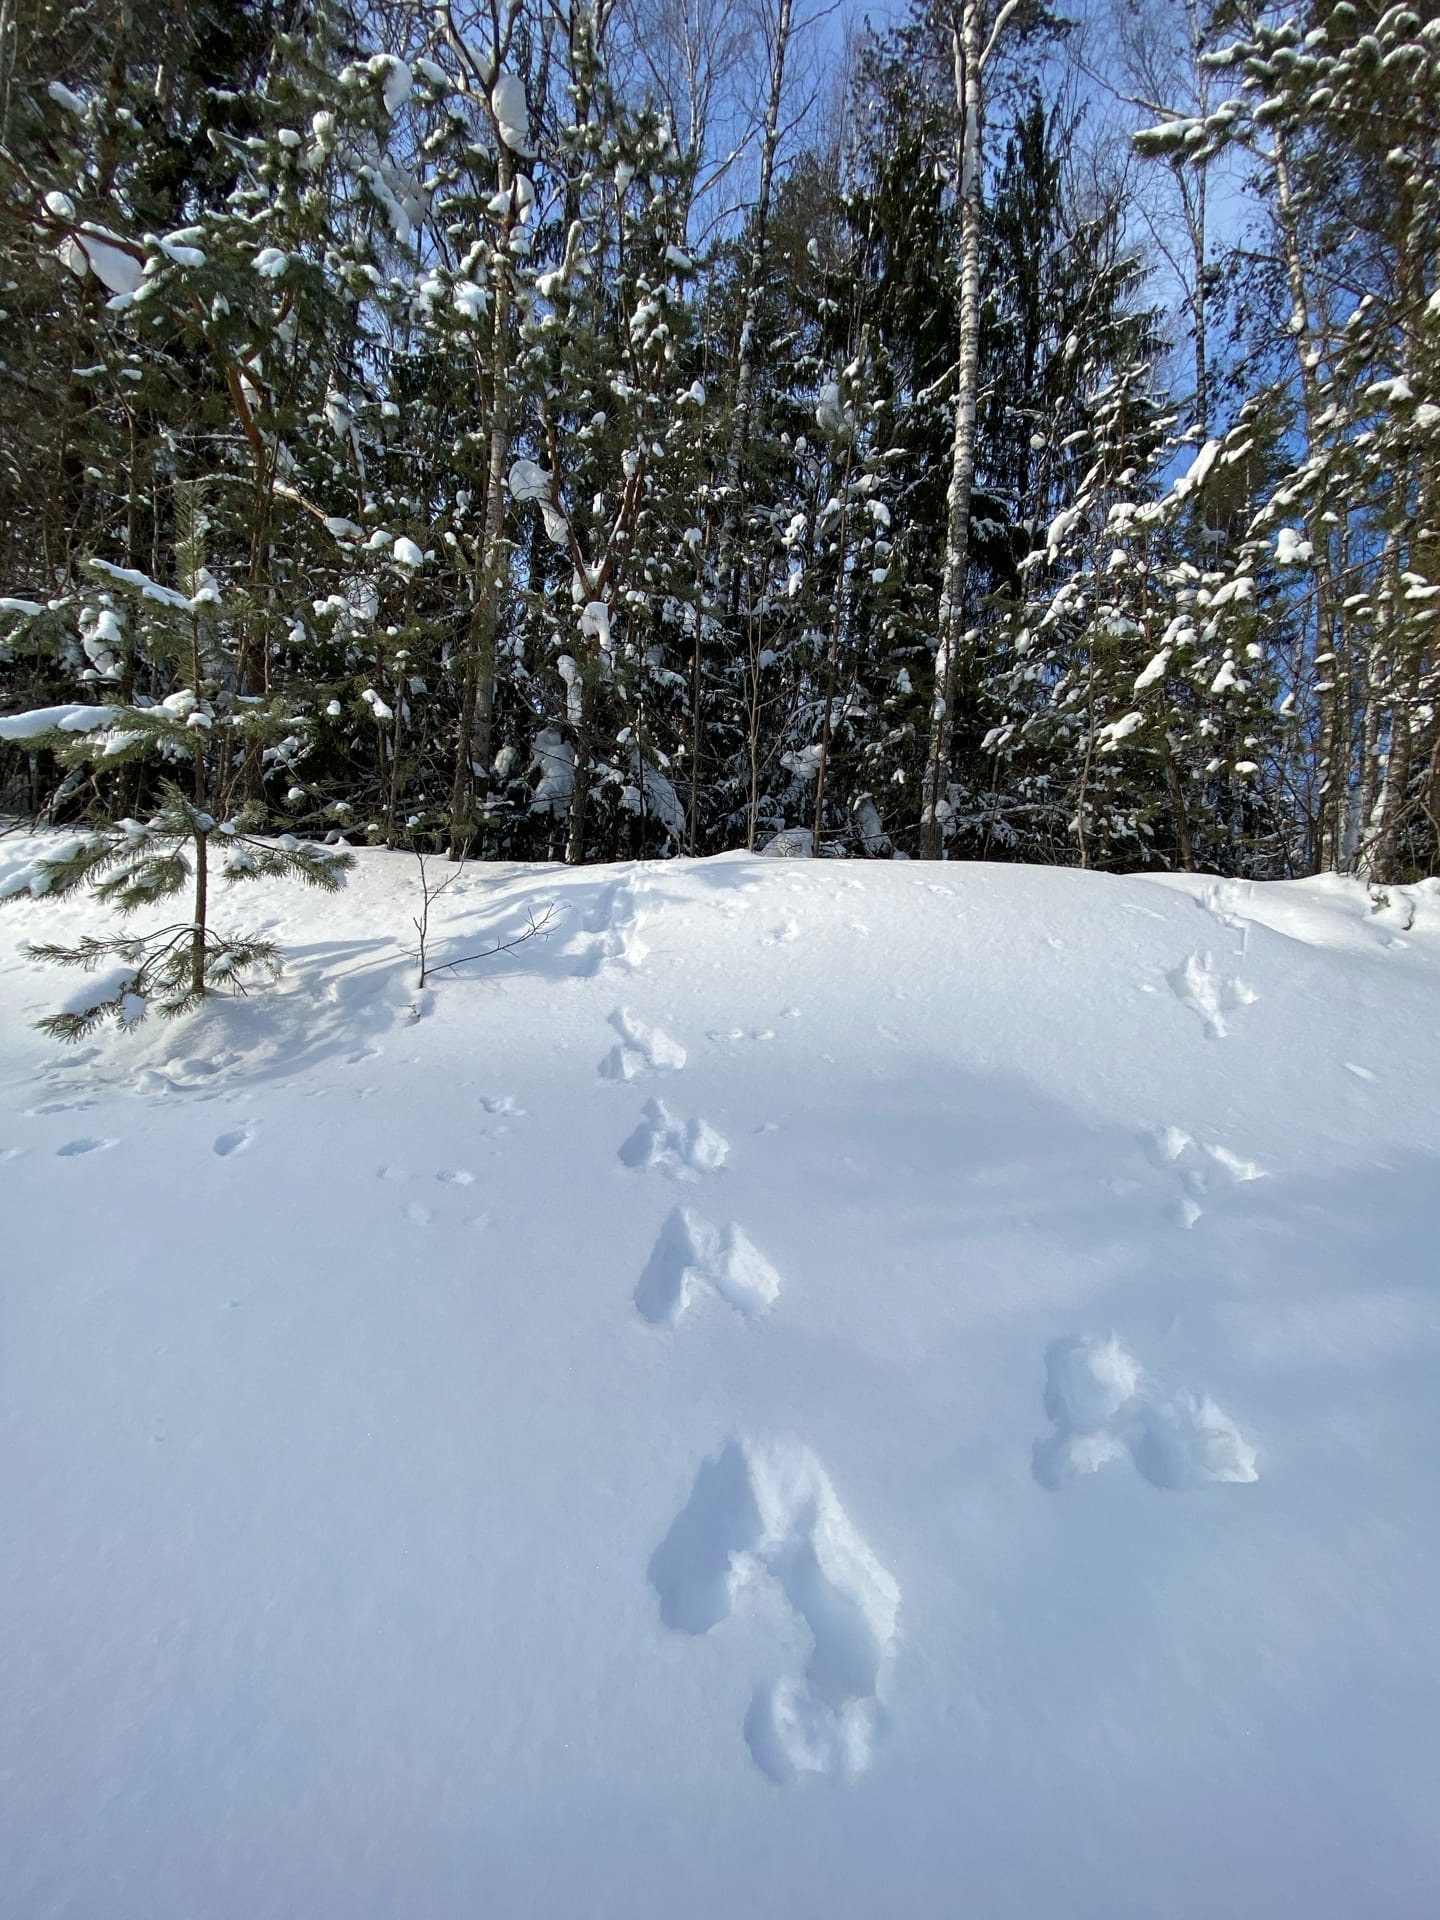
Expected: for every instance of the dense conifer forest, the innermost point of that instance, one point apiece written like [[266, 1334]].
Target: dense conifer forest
[[590, 429]]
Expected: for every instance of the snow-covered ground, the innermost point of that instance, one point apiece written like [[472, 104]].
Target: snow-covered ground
[[814, 1389]]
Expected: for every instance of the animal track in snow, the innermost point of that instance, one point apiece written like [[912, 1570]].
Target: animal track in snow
[[502, 1104], [691, 1253], [1104, 1409], [1219, 900], [195, 1075], [447, 1177], [86, 1144], [74, 1061], [641, 1050], [1211, 995], [236, 1141], [737, 1036], [1235, 1164], [610, 926], [767, 1510], [1196, 1164], [684, 1149]]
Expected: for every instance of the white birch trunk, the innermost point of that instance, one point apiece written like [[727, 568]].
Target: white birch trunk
[[967, 44], [769, 141]]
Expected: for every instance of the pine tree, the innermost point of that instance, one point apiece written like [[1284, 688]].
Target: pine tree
[[177, 637]]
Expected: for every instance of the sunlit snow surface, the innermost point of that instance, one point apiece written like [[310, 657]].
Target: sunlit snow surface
[[814, 1389]]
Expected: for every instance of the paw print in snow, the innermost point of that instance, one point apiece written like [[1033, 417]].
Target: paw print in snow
[[1103, 1409]]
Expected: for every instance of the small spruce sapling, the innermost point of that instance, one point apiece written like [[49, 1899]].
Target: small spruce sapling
[[135, 863]]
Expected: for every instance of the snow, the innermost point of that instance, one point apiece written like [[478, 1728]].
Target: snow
[[811, 1388], [470, 299], [653, 797], [530, 481], [831, 414], [595, 624], [804, 763], [553, 758], [1155, 671], [63, 97], [95, 988], [395, 80], [557, 529], [178, 248], [569, 671], [1199, 467], [791, 843], [147, 588], [98, 251], [1061, 528], [512, 115], [67, 719], [1110, 736], [691, 1254], [102, 639]]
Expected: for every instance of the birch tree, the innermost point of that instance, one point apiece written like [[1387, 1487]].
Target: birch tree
[[976, 32]]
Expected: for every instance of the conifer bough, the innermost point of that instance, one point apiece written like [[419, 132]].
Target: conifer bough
[[138, 863]]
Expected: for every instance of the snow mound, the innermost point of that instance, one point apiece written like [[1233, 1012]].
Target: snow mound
[[965, 1449]]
